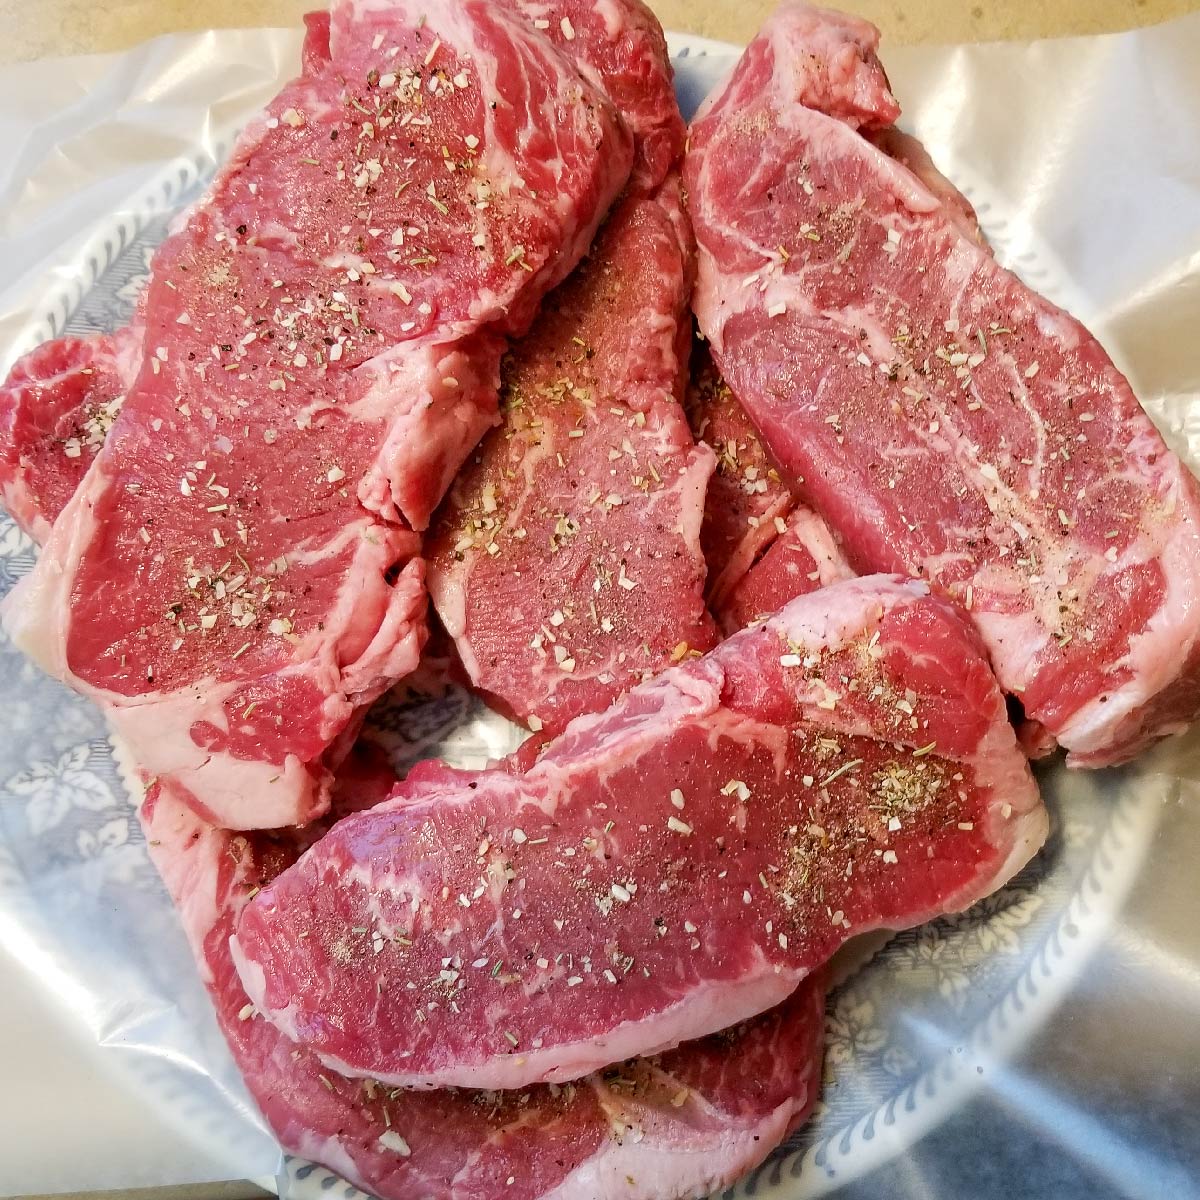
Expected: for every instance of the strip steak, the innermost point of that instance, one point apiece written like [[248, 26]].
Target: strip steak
[[235, 577], [663, 869], [947, 422], [684, 1124], [566, 562]]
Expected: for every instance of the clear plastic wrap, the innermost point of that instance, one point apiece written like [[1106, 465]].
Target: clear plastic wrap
[[1045, 1044]]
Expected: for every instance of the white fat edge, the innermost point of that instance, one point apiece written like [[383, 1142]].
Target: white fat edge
[[398, 382], [36, 614], [487, 305], [239, 793], [431, 427], [448, 591], [391, 650], [691, 487], [698, 1165], [189, 853], [912, 192], [1155, 654], [810, 531], [317, 652], [395, 650], [1013, 639], [254, 981], [830, 621], [710, 289], [1158, 652], [1016, 818], [127, 349], [686, 694]]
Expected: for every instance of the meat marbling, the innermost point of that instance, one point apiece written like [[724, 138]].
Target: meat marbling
[[566, 562], [56, 408], [663, 869], [682, 1125], [945, 420], [762, 547], [235, 577], [621, 44]]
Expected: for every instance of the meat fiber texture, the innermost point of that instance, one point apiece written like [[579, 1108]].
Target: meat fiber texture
[[234, 579], [681, 1125], [664, 869], [761, 546], [566, 563], [944, 419]]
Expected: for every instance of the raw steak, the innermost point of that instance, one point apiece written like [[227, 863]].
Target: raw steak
[[762, 547], [621, 44], [664, 869], [803, 558], [945, 420], [746, 497], [686, 1123], [905, 148], [749, 506], [566, 562], [235, 577], [56, 408]]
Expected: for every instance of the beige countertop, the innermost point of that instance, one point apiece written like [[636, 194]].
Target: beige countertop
[[36, 28], [39, 28]]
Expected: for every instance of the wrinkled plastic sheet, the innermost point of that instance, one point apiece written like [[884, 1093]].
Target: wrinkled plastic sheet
[[1045, 1044]]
